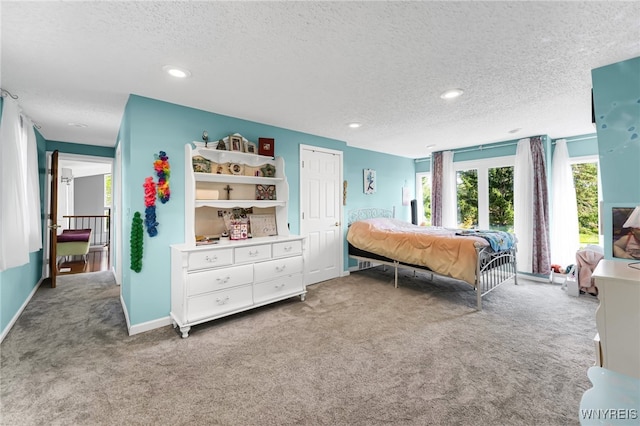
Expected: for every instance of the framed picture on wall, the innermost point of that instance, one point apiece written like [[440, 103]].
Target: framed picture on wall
[[369, 181]]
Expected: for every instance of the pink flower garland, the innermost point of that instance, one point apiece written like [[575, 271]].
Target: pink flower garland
[[150, 204]]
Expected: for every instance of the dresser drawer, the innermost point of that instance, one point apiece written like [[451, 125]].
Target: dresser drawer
[[218, 279], [277, 268], [288, 248], [253, 253], [278, 288], [210, 259], [218, 303]]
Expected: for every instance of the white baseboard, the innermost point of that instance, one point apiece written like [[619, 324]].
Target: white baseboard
[[17, 315], [149, 325], [145, 326], [346, 273], [534, 278], [115, 277], [126, 313]]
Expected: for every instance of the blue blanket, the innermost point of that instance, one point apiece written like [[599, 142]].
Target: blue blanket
[[499, 240]]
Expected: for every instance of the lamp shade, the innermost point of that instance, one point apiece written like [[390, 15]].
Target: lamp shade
[[633, 221]]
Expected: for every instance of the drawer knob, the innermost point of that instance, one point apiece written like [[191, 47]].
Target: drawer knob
[[253, 253], [279, 286], [222, 301], [211, 259], [288, 248], [280, 268], [223, 280]]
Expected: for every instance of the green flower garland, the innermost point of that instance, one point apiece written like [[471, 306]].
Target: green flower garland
[[137, 232]]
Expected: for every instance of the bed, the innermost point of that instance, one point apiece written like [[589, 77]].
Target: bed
[[73, 242], [482, 259]]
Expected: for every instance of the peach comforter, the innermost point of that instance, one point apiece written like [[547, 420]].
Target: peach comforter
[[439, 249]]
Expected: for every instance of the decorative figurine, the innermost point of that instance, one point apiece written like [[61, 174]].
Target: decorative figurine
[[221, 145], [205, 138]]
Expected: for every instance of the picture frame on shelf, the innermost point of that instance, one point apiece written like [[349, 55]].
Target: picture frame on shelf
[[201, 164], [266, 192], [263, 225], [266, 146], [236, 143], [251, 148]]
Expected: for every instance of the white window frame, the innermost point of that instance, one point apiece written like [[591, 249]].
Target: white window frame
[[483, 166], [419, 194], [593, 159]]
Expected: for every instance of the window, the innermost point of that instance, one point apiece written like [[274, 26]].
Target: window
[[107, 190], [107, 202], [485, 193], [587, 183], [423, 195]]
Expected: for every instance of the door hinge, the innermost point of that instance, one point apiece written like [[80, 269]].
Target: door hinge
[[303, 215], [303, 164]]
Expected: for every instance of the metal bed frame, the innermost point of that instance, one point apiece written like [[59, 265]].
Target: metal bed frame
[[492, 268]]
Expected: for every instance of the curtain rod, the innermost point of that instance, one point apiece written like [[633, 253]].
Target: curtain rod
[[475, 148], [5, 92], [594, 136], [482, 147]]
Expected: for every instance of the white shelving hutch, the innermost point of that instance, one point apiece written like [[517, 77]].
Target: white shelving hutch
[[230, 276]]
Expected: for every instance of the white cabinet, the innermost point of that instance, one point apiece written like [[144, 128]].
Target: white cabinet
[[230, 276], [204, 287], [618, 317]]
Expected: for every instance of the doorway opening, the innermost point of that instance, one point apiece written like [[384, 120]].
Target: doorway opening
[[84, 205]]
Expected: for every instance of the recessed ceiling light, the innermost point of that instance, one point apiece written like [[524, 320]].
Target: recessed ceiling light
[[430, 146], [176, 71], [355, 125], [79, 125], [453, 93]]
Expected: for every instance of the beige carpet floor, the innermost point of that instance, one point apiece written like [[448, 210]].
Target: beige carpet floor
[[356, 352]]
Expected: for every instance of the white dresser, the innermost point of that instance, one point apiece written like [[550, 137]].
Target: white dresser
[[234, 276], [214, 278], [618, 317]]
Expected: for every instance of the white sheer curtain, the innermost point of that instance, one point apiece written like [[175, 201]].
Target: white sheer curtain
[[33, 186], [14, 241], [449, 191], [523, 204], [565, 238], [20, 223]]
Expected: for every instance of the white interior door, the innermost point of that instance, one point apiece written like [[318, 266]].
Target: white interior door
[[321, 212]]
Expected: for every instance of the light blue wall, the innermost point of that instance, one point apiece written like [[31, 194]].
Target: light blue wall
[[616, 95], [16, 284], [582, 145], [80, 149], [392, 173], [150, 126]]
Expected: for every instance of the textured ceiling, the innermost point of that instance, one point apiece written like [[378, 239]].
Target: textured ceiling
[[316, 66]]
